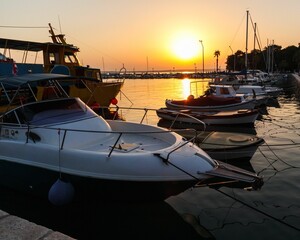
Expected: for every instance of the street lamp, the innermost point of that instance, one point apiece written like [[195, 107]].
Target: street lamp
[[202, 56], [233, 58]]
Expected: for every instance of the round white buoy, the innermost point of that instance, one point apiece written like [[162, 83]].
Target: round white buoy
[[61, 192]]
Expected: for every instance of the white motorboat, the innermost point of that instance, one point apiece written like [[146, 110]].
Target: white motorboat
[[247, 92], [259, 90], [256, 90], [61, 149]]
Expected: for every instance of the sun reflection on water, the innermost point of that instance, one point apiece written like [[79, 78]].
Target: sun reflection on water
[[192, 87], [186, 87]]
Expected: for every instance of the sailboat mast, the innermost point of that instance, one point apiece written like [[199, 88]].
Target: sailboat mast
[[246, 53], [254, 44]]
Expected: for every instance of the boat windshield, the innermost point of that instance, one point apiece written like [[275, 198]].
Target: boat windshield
[[49, 112]]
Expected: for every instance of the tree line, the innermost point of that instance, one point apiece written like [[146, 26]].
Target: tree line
[[271, 59]]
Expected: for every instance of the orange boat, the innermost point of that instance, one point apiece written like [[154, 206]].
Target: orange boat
[[59, 57]]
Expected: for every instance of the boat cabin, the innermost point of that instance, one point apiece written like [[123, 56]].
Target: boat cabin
[[58, 57], [222, 90]]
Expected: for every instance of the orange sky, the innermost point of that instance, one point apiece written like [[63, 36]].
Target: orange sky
[[152, 34]]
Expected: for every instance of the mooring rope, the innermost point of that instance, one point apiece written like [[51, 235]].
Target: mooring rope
[[280, 159], [234, 198]]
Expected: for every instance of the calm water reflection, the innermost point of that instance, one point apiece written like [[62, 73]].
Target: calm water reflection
[[231, 212], [273, 212]]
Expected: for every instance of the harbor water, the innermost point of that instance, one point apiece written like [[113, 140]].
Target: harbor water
[[273, 212], [226, 212]]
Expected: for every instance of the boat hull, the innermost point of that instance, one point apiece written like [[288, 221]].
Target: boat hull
[[103, 92], [210, 118], [178, 105], [230, 146], [225, 146], [38, 181]]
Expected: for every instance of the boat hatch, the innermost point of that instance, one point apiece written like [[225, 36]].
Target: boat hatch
[[125, 147]]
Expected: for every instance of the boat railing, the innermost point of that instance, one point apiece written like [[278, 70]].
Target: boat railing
[[182, 113], [186, 132], [197, 88], [32, 135], [120, 76], [192, 132], [115, 114]]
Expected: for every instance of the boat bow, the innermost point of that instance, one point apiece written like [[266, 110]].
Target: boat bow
[[224, 170]]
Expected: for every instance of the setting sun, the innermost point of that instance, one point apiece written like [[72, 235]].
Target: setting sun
[[185, 47]]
